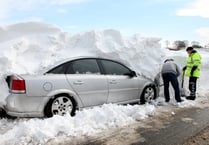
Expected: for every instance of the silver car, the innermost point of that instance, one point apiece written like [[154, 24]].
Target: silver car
[[75, 84]]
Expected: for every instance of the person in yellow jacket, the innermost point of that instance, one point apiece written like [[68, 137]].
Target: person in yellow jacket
[[192, 70]]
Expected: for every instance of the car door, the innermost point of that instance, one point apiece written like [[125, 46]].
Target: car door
[[85, 77], [121, 86]]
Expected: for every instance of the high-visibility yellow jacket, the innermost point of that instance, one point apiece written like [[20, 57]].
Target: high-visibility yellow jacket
[[193, 61]]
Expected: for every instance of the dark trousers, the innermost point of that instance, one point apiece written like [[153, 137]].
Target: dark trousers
[[167, 79], [192, 86]]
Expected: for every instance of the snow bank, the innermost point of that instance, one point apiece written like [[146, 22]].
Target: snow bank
[[87, 122], [30, 47]]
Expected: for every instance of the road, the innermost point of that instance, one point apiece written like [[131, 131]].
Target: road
[[170, 126], [186, 124], [202, 138]]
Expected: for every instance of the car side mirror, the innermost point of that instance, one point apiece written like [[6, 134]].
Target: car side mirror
[[131, 74]]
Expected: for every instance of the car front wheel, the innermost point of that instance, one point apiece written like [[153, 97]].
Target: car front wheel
[[60, 105], [148, 94]]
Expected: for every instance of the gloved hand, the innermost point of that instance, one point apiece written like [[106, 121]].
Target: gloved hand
[[193, 69], [184, 68]]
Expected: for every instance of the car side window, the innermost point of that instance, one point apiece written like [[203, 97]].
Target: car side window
[[59, 69], [114, 68], [85, 66]]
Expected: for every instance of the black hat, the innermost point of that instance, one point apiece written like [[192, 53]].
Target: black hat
[[189, 48], [169, 59]]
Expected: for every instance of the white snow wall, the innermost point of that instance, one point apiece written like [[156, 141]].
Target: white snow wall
[[29, 47]]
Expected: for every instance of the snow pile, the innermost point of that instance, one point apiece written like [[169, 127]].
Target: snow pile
[[27, 47], [30, 47], [87, 122]]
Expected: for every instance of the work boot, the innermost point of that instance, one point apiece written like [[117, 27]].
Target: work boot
[[180, 101], [190, 97]]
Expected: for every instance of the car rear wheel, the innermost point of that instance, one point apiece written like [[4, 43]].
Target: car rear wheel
[[148, 94], [60, 105]]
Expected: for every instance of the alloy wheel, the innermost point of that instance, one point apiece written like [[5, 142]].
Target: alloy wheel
[[61, 106]]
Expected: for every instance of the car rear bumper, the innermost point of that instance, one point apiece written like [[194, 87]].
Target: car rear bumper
[[20, 105]]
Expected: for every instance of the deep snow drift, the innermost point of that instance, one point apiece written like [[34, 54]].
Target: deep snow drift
[[30, 47]]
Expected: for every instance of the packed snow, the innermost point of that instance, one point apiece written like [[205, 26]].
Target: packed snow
[[32, 46]]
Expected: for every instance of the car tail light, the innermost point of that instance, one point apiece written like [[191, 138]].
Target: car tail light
[[17, 85]]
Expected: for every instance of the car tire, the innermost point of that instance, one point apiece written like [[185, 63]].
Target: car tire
[[60, 105], [148, 94]]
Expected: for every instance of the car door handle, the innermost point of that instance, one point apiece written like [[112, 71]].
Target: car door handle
[[78, 83], [113, 82]]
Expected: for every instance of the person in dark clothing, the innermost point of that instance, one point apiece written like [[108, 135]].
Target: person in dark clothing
[[170, 72], [192, 70]]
